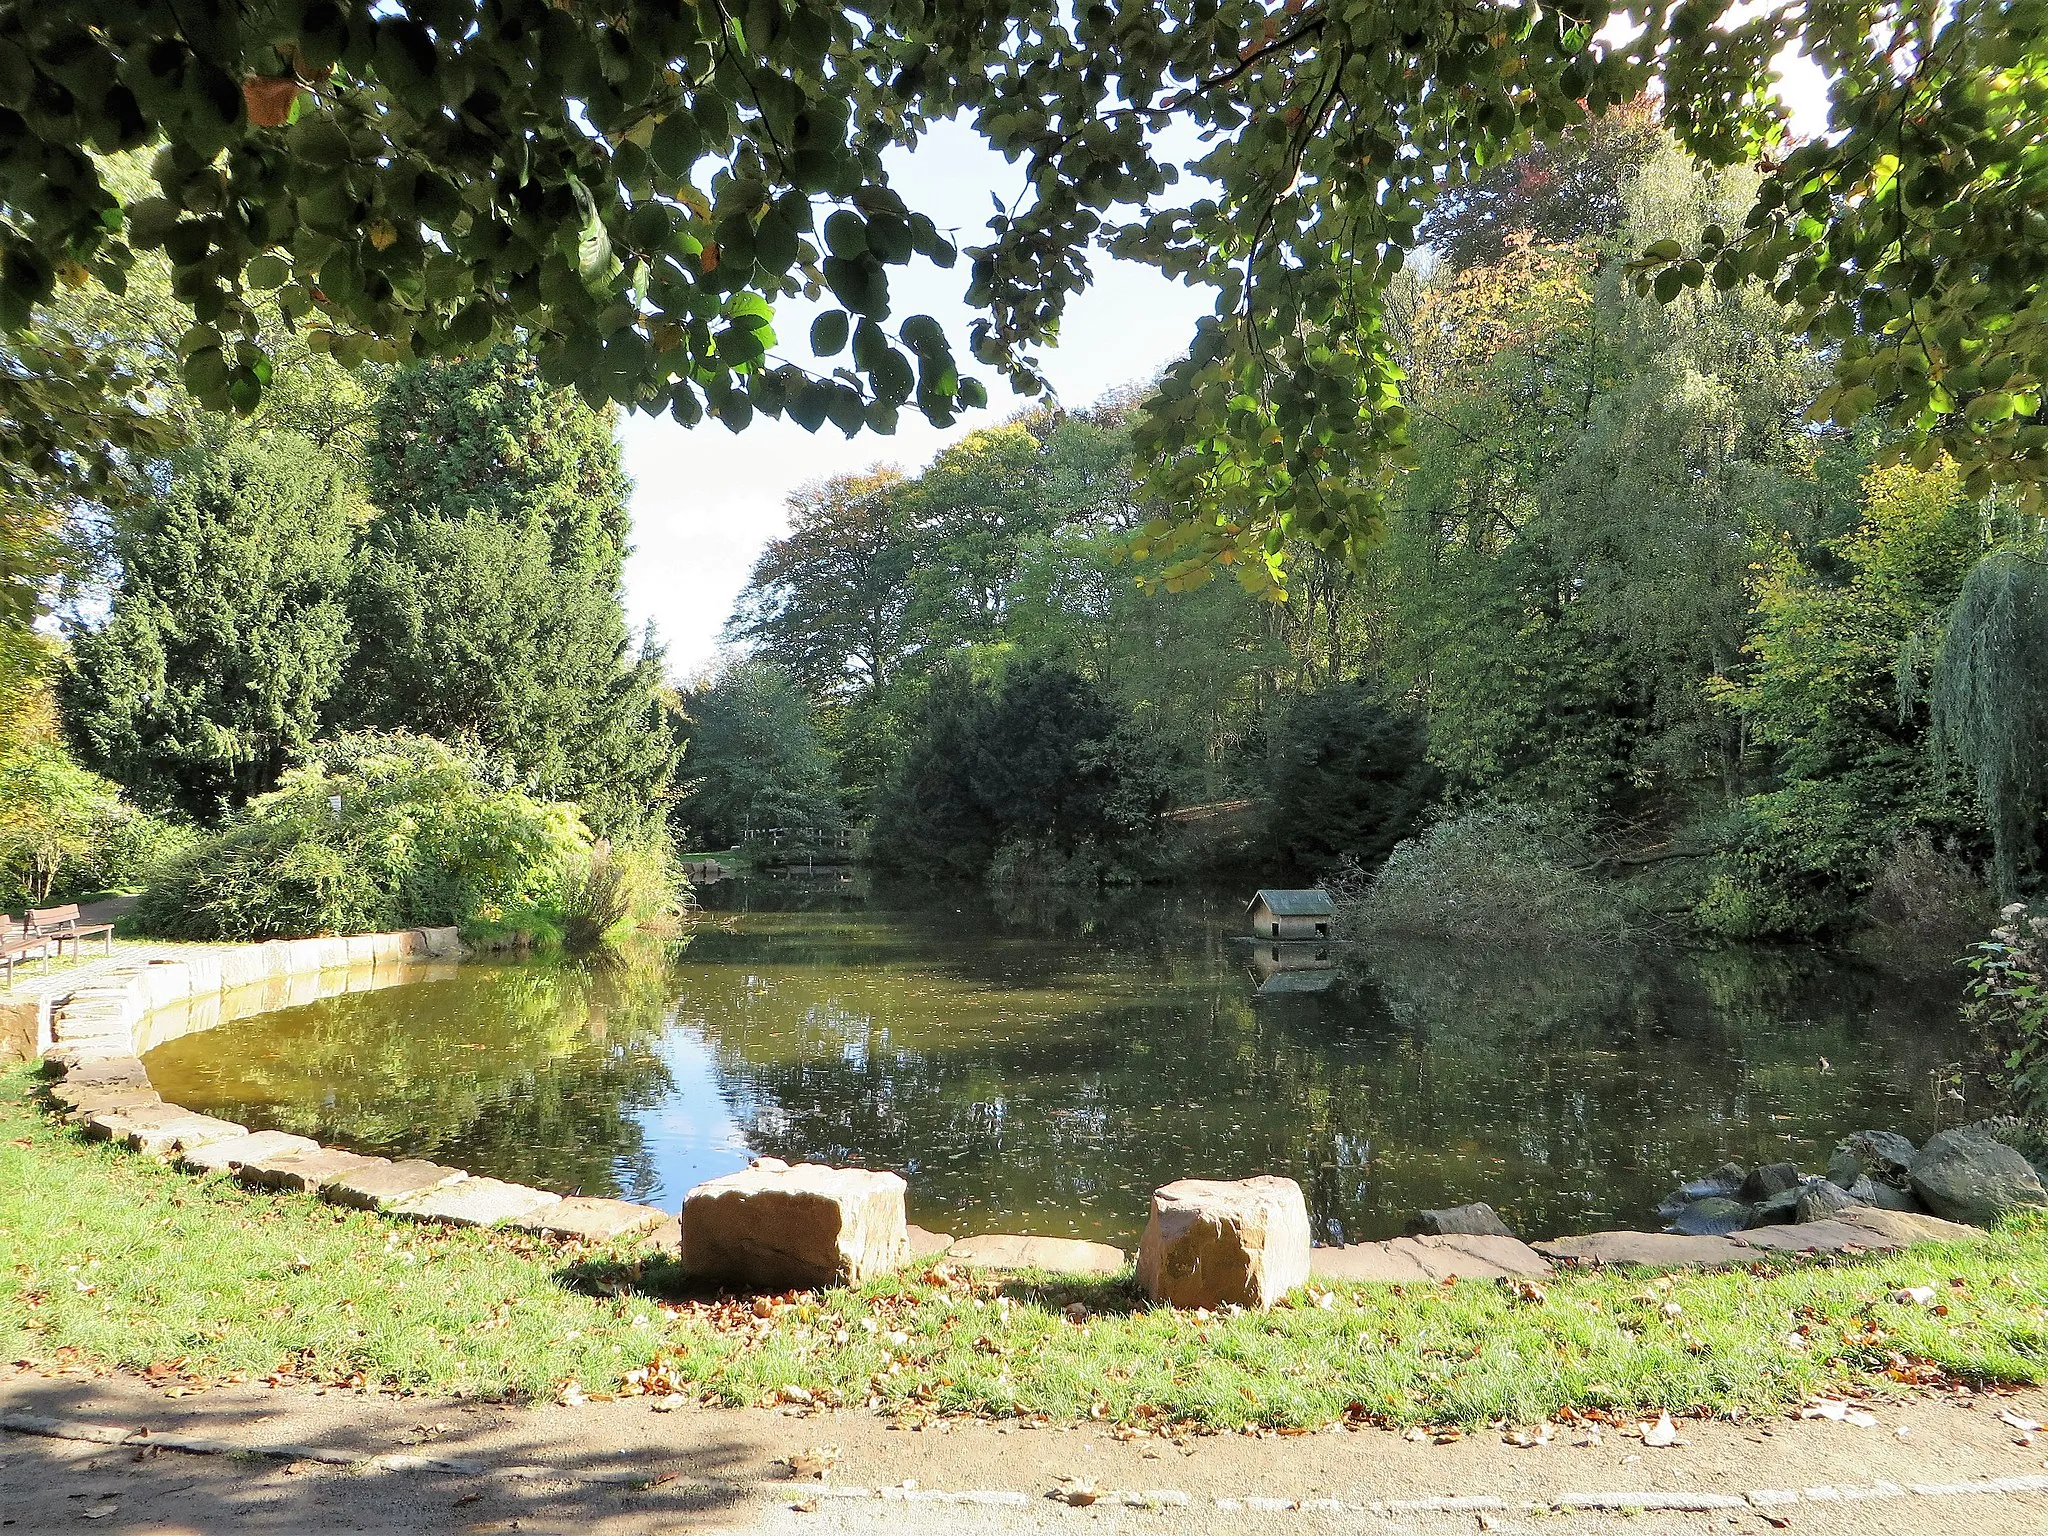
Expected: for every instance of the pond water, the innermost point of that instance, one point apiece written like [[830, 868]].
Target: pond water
[[1041, 1067]]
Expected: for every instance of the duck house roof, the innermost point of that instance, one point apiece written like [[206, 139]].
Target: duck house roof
[[1295, 903]]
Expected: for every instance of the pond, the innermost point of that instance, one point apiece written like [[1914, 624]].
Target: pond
[[1041, 1066]]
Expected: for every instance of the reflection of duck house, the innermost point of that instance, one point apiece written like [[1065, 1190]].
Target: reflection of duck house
[[1291, 915], [1300, 966]]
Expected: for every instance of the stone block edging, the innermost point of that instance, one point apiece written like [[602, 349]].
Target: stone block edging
[[97, 1034], [133, 1010]]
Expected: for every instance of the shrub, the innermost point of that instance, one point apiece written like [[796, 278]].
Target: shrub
[[1798, 864], [1492, 871], [619, 886], [1350, 779], [2007, 999], [425, 835]]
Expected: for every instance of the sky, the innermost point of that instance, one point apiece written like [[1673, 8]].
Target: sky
[[706, 500]]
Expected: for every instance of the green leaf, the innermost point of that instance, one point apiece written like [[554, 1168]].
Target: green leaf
[[846, 234], [828, 333], [266, 272], [676, 145]]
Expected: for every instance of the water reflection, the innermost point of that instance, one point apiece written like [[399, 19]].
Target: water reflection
[[1042, 1065]]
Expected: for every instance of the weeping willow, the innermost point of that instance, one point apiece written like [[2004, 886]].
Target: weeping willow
[[1989, 697]]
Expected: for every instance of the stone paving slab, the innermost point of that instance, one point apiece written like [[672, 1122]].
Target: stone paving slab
[[1830, 1236], [380, 1187], [1658, 1250], [588, 1220], [230, 1155], [303, 1173], [471, 1201], [1061, 1255], [927, 1245], [1478, 1256], [1909, 1226], [110, 1101], [1368, 1261], [169, 1138], [118, 1124]]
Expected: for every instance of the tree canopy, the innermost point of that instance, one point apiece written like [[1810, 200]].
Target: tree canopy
[[635, 187]]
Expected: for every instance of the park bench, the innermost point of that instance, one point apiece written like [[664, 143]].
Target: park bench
[[18, 942], [60, 923]]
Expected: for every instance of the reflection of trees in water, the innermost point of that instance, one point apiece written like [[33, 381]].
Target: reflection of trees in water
[[1565, 1089], [528, 1072]]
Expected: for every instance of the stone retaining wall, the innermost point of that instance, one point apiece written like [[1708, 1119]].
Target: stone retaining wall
[[162, 999]]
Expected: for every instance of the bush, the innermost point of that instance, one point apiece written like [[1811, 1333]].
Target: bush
[[2007, 999], [425, 835], [1798, 864], [1046, 761], [1494, 872], [620, 886], [1349, 777]]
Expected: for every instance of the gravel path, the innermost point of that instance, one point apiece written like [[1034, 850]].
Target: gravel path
[[289, 1460]]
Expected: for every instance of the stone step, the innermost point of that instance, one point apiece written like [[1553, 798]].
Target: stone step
[[303, 1173], [231, 1155], [1429, 1260], [474, 1202], [385, 1184], [589, 1220]]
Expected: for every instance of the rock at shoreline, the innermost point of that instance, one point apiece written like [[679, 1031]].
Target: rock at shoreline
[[1821, 1198], [794, 1228], [1475, 1220], [1883, 1155], [1211, 1241], [1725, 1182], [1964, 1175], [1769, 1180], [1715, 1216]]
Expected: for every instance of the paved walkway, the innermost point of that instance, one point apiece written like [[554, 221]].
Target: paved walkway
[[56, 978], [116, 1451]]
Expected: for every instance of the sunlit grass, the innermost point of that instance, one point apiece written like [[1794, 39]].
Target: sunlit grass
[[131, 1264]]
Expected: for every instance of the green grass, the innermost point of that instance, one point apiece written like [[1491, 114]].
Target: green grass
[[128, 1263]]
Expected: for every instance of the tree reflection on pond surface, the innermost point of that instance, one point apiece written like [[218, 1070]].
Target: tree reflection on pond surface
[[1043, 1065]]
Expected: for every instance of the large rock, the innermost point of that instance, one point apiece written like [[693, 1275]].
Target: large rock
[[588, 1219], [1885, 1156], [1715, 1216], [1771, 1179], [1211, 1241], [1725, 1182], [1965, 1176], [1821, 1198], [794, 1228], [1475, 1220]]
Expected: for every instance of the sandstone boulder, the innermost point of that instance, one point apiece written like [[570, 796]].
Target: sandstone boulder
[[1211, 1241], [790, 1228], [1965, 1176], [1475, 1220]]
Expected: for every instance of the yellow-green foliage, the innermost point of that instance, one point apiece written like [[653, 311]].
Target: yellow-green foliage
[[424, 835]]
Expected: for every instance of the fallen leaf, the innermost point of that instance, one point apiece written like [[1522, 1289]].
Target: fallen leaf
[[98, 1511], [1661, 1434], [815, 1462], [799, 1395], [1076, 1491], [2024, 1426]]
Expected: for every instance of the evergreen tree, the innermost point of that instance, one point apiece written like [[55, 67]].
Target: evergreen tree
[[227, 631], [487, 601], [754, 760], [1349, 777]]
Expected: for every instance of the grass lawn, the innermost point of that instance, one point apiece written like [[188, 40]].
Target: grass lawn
[[128, 1263]]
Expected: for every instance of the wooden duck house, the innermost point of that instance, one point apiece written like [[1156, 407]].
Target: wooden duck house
[[1291, 915]]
